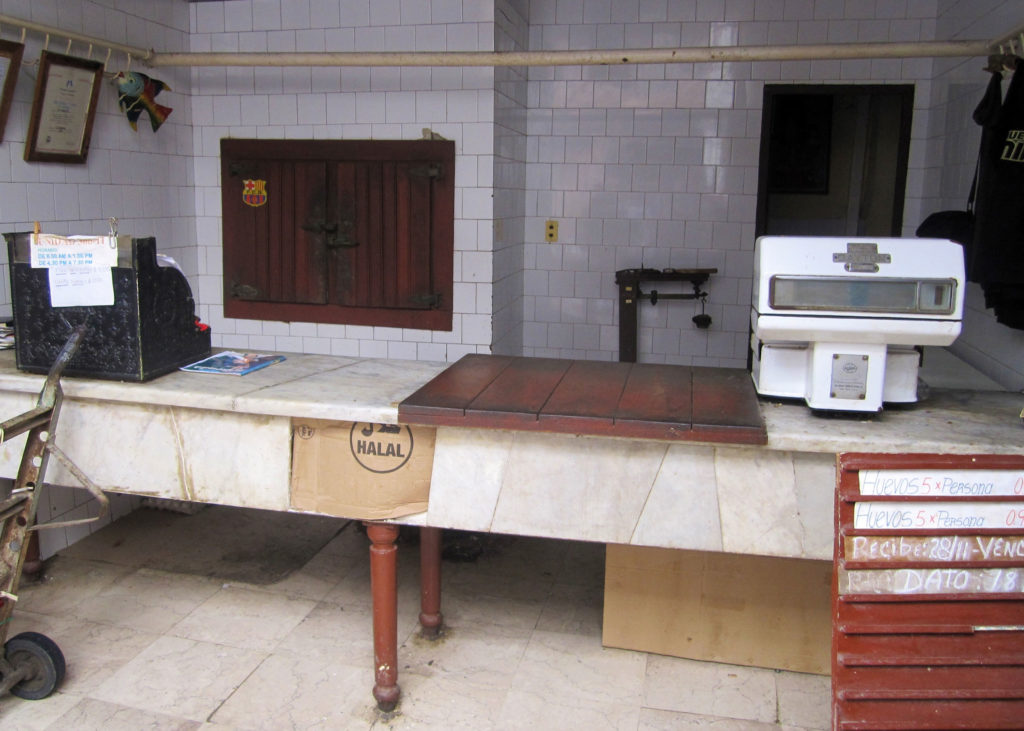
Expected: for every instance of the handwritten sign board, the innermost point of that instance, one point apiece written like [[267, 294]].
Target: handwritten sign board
[[928, 592]]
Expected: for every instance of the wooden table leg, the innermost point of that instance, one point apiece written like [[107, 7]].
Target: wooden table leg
[[430, 583], [384, 590]]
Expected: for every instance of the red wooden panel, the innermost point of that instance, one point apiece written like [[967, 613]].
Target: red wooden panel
[[368, 243], [910, 715], [515, 398], [415, 281], [450, 392], [273, 252], [850, 463], [980, 648], [656, 402], [586, 397], [861, 615], [583, 397], [725, 406], [934, 680]]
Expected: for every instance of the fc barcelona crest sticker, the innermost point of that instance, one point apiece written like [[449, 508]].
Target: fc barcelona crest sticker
[[254, 192]]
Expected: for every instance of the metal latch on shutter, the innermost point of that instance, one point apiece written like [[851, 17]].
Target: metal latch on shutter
[[434, 171], [433, 301]]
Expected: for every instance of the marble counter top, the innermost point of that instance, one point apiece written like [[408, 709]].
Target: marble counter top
[[369, 390], [302, 386], [227, 440]]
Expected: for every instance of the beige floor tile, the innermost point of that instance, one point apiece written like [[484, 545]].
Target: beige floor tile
[[66, 583], [291, 692], [148, 600], [712, 689], [94, 715], [180, 677], [576, 668], [439, 701], [554, 710], [804, 700], [331, 632], [573, 608], [522, 651], [464, 607], [92, 651], [345, 553], [244, 618], [479, 656], [21, 715], [654, 720]]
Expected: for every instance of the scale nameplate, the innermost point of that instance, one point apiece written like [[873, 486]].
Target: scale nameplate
[[849, 376], [861, 258]]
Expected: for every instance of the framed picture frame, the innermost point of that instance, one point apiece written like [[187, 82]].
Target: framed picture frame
[[10, 64], [63, 109]]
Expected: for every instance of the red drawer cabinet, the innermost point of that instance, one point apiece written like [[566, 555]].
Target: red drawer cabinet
[[928, 592]]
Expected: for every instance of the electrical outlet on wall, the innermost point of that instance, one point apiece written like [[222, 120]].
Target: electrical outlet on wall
[[551, 231]]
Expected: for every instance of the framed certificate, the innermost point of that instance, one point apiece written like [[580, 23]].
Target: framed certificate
[[63, 108], [10, 64]]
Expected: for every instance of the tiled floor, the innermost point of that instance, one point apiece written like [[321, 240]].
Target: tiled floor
[[148, 648]]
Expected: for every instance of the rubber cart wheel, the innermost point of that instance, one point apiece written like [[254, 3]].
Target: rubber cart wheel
[[45, 659]]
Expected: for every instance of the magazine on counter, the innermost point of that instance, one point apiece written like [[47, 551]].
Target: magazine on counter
[[232, 363]]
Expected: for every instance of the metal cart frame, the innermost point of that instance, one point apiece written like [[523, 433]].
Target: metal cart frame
[[32, 665]]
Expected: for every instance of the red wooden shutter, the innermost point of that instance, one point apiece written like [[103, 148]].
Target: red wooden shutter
[[928, 626], [386, 262]]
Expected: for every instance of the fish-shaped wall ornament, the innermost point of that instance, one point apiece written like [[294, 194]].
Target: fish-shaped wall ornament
[[136, 94]]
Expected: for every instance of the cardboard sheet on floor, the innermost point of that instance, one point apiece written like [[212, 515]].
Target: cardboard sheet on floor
[[361, 470], [746, 610]]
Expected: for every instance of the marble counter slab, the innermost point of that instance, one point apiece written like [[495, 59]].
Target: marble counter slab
[[227, 439], [302, 385], [368, 389], [947, 422]]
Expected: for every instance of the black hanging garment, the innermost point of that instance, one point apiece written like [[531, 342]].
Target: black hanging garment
[[997, 260]]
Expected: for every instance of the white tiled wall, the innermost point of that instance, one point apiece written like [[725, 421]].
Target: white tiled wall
[[511, 29], [351, 103], [656, 165]]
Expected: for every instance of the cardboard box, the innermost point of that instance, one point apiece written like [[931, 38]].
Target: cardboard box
[[740, 609], [361, 470]]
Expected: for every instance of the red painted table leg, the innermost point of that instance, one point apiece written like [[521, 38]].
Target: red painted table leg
[[384, 589], [430, 583]]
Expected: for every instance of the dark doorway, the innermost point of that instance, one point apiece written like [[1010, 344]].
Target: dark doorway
[[834, 160]]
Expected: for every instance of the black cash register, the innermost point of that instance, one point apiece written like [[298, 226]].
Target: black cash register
[[150, 329]]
